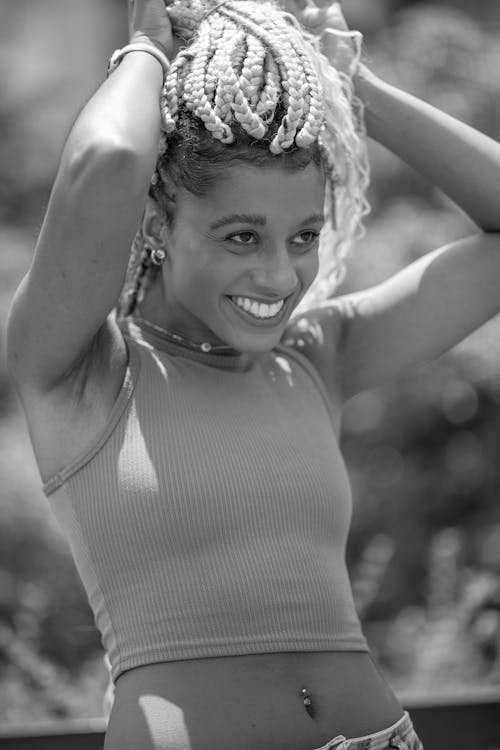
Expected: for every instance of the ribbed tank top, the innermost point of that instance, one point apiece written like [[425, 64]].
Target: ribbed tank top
[[210, 518]]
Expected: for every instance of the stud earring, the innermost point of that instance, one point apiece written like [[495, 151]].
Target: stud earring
[[157, 256]]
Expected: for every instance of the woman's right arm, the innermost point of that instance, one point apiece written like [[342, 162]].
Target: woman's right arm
[[93, 214]]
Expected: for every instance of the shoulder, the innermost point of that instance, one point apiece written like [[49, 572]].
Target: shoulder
[[316, 335]]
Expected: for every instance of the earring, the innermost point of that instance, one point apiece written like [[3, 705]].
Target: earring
[[157, 256]]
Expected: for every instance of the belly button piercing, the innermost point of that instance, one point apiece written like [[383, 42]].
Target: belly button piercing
[[306, 699]]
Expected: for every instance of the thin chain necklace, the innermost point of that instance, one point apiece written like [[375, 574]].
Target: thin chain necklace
[[176, 338]]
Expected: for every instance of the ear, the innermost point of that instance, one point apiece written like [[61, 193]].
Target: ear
[[153, 224]]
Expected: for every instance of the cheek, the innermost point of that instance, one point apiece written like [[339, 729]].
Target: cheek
[[194, 274], [310, 266], [184, 259]]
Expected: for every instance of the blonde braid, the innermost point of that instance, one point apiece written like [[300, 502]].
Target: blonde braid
[[250, 79], [250, 121], [212, 73], [292, 78], [227, 81], [220, 62], [195, 89], [298, 82], [172, 91], [229, 98], [296, 86], [239, 53], [270, 95], [140, 274], [315, 118], [241, 17]]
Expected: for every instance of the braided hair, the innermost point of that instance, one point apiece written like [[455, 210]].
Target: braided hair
[[252, 86]]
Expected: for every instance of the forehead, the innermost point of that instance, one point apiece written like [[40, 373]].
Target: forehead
[[271, 191]]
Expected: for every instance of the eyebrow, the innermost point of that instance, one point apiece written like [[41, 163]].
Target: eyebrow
[[259, 220], [317, 217], [238, 219]]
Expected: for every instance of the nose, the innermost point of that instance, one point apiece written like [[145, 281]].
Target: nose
[[276, 274]]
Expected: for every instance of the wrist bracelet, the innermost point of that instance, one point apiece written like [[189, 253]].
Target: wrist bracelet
[[119, 54]]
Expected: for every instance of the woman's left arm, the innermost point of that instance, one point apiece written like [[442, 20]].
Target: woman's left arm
[[435, 302], [455, 157]]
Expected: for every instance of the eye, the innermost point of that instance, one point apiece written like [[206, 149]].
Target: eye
[[304, 240], [242, 238], [308, 236]]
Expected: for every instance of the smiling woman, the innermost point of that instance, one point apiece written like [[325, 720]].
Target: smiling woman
[[184, 398], [193, 159], [232, 278]]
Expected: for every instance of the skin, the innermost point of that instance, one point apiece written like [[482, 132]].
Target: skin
[[271, 258], [68, 358]]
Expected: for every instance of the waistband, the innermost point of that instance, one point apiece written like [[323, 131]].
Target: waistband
[[399, 731]]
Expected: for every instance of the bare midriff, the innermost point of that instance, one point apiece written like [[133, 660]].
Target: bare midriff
[[253, 702]]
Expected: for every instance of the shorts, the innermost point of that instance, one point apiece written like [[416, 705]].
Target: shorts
[[400, 736]]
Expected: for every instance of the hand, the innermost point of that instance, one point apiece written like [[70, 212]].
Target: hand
[[185, 16], [315, 17], [341, 46], [148, 20]]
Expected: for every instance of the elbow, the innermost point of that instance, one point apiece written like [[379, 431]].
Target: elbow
[[84, 156], [108, 155]]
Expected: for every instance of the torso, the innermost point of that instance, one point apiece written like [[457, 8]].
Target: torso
[[250, 703], [245, 702]]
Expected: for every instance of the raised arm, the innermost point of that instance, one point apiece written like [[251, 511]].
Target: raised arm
[[455, 157], [93, 214], [435, 302], [361, 340]]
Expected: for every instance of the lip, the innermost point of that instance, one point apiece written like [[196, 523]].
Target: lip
[[262, 322]]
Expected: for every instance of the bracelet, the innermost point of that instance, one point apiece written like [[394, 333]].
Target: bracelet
[[119, 54]]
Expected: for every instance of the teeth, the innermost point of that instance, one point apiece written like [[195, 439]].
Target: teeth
[[258, 309]]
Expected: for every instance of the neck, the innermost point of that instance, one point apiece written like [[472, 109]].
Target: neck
[[177, 338], [154, 312]]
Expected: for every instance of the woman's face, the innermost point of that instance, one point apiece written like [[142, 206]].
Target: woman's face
[[241, 258]]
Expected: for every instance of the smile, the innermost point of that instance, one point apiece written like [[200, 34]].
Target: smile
[[258, 310]]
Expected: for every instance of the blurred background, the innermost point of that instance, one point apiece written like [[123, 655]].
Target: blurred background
[[423, 452]]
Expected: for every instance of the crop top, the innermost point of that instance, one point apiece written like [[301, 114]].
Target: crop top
[[210, 519]]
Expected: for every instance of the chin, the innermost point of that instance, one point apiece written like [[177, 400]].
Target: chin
[[248, 334], [256, 344]]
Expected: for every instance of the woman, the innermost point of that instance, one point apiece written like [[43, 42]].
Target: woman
[[188, 445]]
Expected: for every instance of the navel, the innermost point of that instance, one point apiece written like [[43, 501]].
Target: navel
[[307, 701]]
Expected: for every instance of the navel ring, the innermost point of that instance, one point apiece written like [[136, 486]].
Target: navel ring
[[307, 701]]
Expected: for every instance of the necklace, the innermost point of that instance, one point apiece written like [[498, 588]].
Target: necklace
[[176, 338]]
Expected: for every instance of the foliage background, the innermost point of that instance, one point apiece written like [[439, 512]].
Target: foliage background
[[422, 452]]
